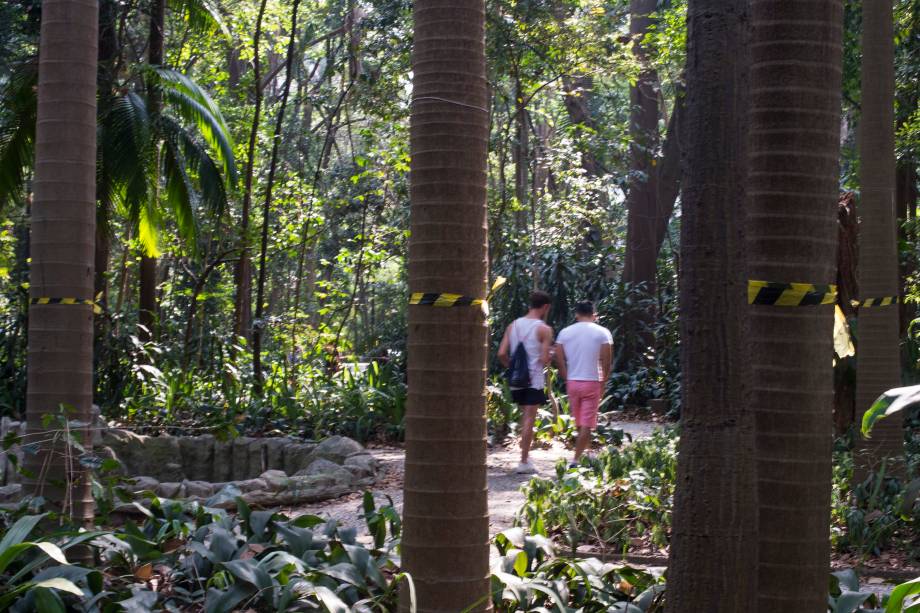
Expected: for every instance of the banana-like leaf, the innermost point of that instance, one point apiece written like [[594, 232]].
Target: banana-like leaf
[[889, 403]]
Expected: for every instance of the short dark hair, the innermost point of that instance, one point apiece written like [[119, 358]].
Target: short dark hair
[[585, 308], [539, 299]]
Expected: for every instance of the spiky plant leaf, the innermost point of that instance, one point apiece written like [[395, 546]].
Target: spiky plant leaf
[[17, 132], [199, 162], [195, 106], [180, 193]]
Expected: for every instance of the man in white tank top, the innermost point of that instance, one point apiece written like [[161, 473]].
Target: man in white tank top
[[537, 338]]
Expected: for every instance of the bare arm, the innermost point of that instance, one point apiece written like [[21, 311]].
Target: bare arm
[[545, 336], [503, 355], [606, 360], [560, 362]]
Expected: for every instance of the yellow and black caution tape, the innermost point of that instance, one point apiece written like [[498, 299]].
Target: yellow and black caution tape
[[876, 302], [96, 308], [790, 294], [441, 299]]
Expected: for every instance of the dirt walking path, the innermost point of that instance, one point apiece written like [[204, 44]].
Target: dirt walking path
[[505, 497]]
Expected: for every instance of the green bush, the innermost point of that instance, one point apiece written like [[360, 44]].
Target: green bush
[[610, 499], [188, 557]]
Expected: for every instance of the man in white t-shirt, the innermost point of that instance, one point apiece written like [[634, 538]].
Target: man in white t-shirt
[[584, 353]]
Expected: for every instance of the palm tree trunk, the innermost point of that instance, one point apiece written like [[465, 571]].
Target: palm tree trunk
[[792, 198], [713, 557], [878, 356], [445, 545], [60, 354]]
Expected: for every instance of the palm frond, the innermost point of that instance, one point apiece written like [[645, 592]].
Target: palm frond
[[17, 132], [194, 105], [126, 153], [148, 223], [201, 15], [197, 159], [180, 194]]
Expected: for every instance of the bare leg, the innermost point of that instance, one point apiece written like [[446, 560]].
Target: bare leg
[[528, 416], [582, 442]]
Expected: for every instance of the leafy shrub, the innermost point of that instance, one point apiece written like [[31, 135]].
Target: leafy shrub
[[610, 499], [530, 578], [185, 556]]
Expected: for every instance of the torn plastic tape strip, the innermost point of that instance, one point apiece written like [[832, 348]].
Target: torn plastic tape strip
[[790, 294], [96, 307], [876, 302], [444, 300]]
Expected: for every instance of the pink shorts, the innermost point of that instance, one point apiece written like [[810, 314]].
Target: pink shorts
[[584, 398]]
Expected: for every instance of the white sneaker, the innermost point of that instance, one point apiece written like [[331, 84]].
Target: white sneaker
[[526, 468]]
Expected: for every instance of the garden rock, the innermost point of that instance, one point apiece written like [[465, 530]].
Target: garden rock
[[198, 457], [223, 461], [141, 484], [276, 480], [198, 489], [337, 449], [10, 493], [297, 457], [169, 489], [362, 466]]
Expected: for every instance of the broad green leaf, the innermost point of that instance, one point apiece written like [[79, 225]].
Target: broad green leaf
[[59, 583], [900, 594], [889, 403], [20, 530]]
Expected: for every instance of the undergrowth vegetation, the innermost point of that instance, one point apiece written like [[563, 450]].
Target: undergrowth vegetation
[[621, 500]]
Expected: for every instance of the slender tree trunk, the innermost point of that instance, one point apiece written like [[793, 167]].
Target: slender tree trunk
[[108, 54], [259, 328], [641, 199], [713, 557], [242, 305], [147, 294], [906, 196], [847, 291], [792, 198], [60, 354], [445, 545], [878, 354], [521, 156]]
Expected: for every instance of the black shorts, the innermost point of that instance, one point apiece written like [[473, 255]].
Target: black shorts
[[529, 397]]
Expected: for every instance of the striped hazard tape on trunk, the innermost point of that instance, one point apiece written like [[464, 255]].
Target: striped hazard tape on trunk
[[67, 301], [444, 300], [441, 299], [876, 302], [790, 294]]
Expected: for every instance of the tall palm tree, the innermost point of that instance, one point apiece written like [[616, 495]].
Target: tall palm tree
[[713, 557], [60, 354], [445, 545], [792, 199], [878, 353]]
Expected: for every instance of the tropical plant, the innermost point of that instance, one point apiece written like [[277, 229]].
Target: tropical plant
[[609, 501], [185, 555], [529, 577]]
